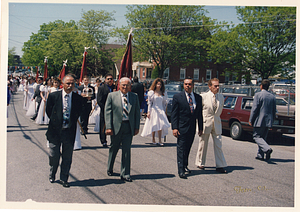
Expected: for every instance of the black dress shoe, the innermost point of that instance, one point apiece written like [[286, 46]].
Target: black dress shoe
[[268, 154], [258, 158], [64, 184], [221, 170], [182, 175], [128, 179], [51, 179], [109, 173], [187, 170], [32, 118], [105, 145]]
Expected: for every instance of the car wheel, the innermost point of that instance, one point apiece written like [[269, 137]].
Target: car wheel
[[236, 130]]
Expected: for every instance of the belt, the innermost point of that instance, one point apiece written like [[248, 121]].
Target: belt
[[125, 121]]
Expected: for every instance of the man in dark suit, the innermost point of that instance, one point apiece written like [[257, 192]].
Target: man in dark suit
[[37, 96], [262, 115], [63, 108], [122, 119], [186, 109], [103, 91], [138, 88], [87, 101]]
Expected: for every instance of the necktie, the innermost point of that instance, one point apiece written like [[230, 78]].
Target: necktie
[[214, 103], [191, 103], [125, 106], [66, 112]]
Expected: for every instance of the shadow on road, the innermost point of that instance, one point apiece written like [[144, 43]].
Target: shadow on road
[[212, 170]]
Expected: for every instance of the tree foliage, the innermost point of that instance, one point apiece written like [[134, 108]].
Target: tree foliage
[[61, 41], [264, 43], [168, 34], [11, 59]]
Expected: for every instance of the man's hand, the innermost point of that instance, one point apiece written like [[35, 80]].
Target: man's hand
[[176, 133], [136, 131], [109, 132], [250, 123], [200, 132]]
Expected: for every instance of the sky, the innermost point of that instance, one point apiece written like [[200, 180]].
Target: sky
[[26, 18]]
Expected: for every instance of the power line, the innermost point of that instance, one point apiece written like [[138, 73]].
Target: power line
[[15, 41]]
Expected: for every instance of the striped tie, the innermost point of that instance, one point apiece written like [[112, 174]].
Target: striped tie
[[214, 103], [191, 103], [125, 107]]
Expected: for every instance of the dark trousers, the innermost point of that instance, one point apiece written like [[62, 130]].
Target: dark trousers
[[124, 137], [85, 116], [260, 136], [184, 144], [37, 109], [66, 154], [102, 134]]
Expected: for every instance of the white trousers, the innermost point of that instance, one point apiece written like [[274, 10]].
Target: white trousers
[[202, 150]]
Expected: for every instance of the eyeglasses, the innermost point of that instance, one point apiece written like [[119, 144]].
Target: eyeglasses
[[125, 85], [109, 78], [69, 83]]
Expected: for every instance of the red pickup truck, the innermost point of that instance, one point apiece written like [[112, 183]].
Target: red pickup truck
[[236, 113]]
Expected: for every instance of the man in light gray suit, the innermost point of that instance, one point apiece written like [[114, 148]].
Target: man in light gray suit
[[122, 120], [262, 115]]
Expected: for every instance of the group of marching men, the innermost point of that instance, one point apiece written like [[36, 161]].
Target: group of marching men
[[36, 92]]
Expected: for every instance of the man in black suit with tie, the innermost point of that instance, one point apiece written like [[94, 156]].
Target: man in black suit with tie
[[186, 109], [88, 103], [63, 108], [102, 94], [37, 96]]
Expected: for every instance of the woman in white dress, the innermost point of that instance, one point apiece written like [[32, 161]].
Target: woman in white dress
[[42, 117], [157, 123], [30, 103], [95, 116]]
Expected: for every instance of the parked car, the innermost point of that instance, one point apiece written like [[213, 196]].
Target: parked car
[[169, 105], [173, 87], [282, 106], [236, 113]]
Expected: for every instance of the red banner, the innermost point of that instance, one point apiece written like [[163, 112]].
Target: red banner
[[83, 68], [46, 70], [37, 74], [126, 64]]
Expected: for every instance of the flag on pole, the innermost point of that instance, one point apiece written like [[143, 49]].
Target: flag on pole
[[37, 74], [63, 71], [83, 68], [46, 69], [126, 63]]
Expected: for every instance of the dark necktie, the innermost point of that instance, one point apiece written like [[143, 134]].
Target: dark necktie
[[125, 106], [191, 103]]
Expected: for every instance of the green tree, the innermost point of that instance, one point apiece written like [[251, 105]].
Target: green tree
[[96, 25], [168, 34], [264, 43], [11, 54]]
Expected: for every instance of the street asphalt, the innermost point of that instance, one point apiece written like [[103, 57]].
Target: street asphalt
[[249, 182]]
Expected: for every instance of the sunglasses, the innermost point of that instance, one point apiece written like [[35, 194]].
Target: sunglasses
[[109, 78]]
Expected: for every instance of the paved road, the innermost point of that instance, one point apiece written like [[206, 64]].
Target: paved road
[[154, 172]]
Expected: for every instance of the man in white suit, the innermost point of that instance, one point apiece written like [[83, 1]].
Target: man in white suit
[[212, 104]]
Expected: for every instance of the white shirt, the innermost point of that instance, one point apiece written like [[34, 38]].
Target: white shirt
[[193, 98], [211, 94]]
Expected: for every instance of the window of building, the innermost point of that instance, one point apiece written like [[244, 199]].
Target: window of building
[[196, 74], [208, 74], [182, 73], [166, 73], [144, 72]]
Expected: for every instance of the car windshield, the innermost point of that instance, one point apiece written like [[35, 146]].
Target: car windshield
[[172, 87], [171, 94]]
